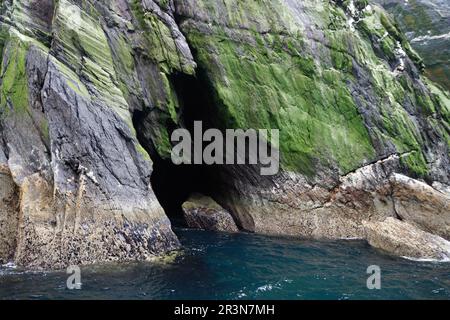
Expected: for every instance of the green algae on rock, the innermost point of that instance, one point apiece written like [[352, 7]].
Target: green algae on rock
[[90, 92]]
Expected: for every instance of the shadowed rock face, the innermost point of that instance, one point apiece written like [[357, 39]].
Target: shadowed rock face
[[8, 217], [92, 90]]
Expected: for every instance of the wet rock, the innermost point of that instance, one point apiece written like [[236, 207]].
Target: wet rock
[[70, 148], [337, 165], [403, 239], [426, 25], [202, 212]]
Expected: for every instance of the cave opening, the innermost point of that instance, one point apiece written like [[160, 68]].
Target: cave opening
[[173, 184]]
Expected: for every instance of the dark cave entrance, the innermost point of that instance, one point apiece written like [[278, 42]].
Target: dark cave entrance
[[173, 184]]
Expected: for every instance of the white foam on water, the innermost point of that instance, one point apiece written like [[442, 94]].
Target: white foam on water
[[427, 38], [267, 287], [9, 265], [446, 259]]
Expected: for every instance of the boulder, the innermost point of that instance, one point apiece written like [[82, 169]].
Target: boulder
[[202, 212], [422, 205], [403, 239]]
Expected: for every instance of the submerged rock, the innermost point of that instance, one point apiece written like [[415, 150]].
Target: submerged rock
[[202, 212]]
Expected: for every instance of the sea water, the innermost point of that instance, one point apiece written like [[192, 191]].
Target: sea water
[[243, 266]]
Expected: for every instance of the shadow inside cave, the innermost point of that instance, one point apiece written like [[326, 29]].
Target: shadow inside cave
[[173, 184]]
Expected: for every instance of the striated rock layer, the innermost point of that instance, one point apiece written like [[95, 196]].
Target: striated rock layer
[[79, 180], [403, 239], [92, 90]]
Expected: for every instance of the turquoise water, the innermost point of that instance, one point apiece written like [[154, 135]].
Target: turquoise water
[[243, 266]]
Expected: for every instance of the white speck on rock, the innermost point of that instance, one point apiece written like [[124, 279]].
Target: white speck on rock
[[91, 176]]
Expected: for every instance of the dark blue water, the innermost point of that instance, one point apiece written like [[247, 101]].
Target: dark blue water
[[244, 266]]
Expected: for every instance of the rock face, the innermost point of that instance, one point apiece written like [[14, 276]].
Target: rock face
[[80, 179], [343, 85], [426, 24], [91, 91], [421, 205], [202, 212], [8, 216]]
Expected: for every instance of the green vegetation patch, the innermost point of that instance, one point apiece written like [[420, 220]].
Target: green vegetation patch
[[14, 81], [266, 86]]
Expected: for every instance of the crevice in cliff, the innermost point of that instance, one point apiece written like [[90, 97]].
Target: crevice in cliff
[[394, 202], [3, 143]]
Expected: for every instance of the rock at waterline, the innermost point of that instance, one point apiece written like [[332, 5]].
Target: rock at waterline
[[202, 212], [404, 239]]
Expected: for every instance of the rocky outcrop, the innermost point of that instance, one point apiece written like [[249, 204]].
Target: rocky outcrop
[[352, 110], [422, 205], [403, 239], [371, 193], [92, 90], [202, 212]]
